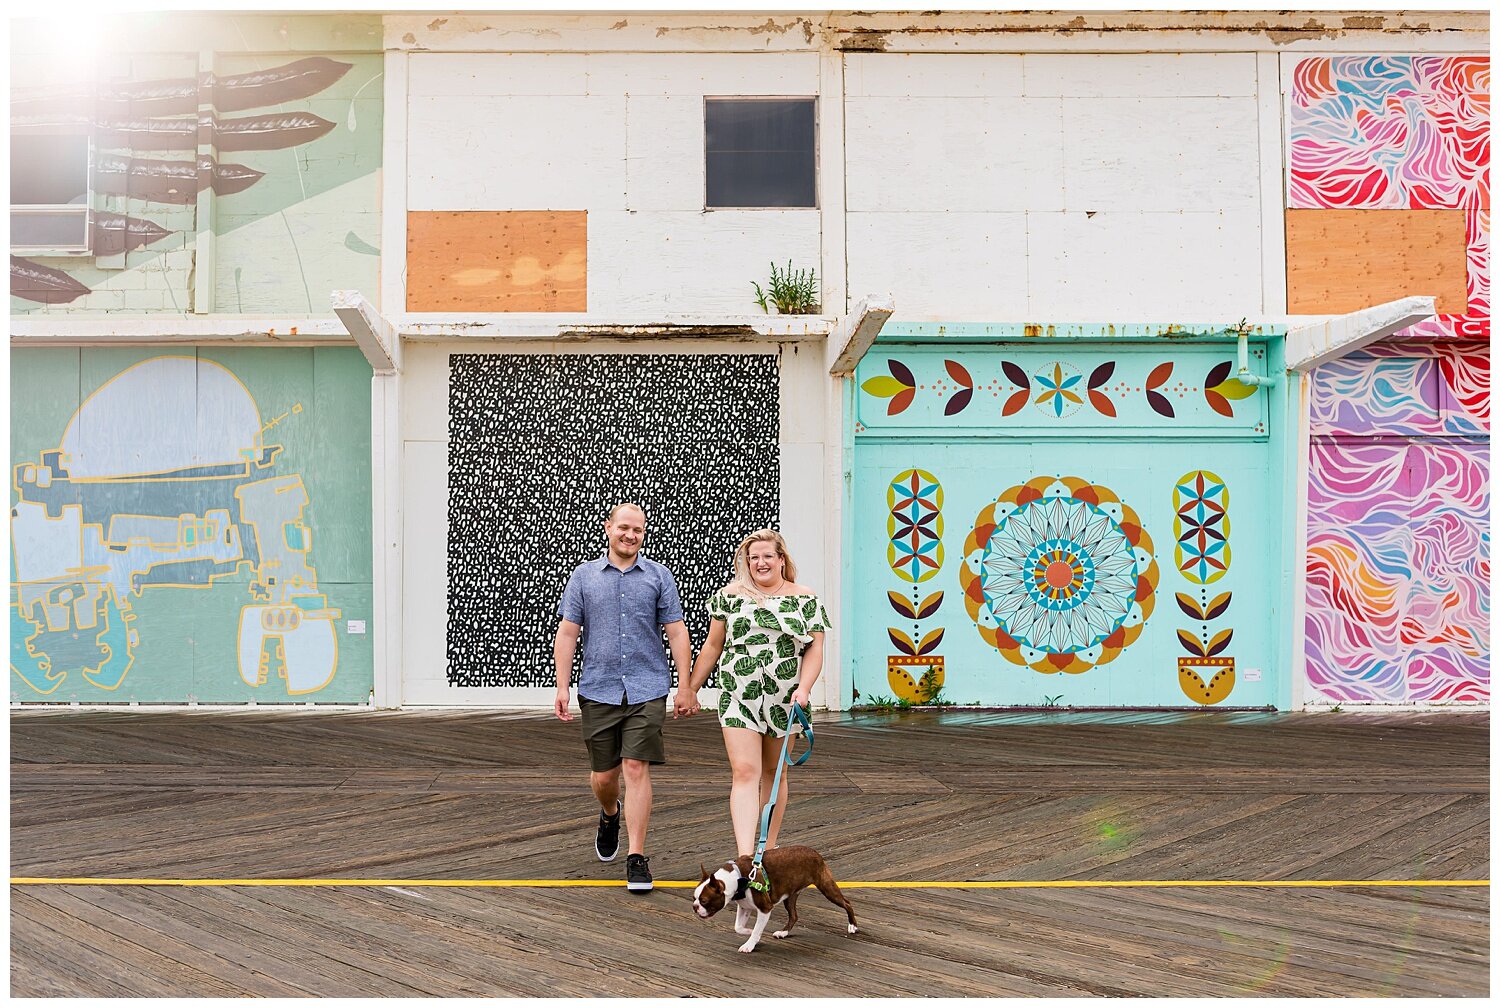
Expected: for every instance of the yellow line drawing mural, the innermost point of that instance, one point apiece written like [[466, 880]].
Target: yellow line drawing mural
[[162, 479]]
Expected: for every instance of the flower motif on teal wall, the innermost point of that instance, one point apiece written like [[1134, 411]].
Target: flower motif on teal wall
[[1057, 397]]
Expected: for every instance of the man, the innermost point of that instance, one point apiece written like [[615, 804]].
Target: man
[[620, 603]]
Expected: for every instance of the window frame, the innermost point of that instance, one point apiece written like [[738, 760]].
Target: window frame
[[84, 210], [817, 203]]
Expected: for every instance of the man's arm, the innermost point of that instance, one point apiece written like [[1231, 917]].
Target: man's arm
[[563, 648], [680, 642]]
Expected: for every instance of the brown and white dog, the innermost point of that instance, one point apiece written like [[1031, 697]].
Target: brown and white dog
[[789, 870]]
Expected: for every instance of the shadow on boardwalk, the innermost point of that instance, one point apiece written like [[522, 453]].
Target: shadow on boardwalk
[[921, 796]]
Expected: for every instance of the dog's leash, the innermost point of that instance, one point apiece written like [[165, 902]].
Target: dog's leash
[[755, 880]]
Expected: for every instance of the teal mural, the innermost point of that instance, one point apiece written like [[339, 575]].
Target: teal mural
[[1041, 516], [253, 161], [190, 527]]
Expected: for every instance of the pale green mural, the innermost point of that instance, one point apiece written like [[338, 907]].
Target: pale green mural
[[190, 527], [257, 159]]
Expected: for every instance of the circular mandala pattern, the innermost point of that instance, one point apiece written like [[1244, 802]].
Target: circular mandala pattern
[[1058, 575]]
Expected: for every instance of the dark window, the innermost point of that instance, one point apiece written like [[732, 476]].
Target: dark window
[[761, 152], [49, 189]]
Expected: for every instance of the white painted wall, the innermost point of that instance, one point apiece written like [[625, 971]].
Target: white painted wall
[[1087, 186], [424, 505], [619, 135]]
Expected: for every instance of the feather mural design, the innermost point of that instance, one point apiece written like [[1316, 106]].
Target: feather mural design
[[268, 132], [180, 96], [36, 282], [170, 115], [170, 181], [115, 233]]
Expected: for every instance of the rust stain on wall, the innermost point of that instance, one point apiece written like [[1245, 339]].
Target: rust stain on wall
[[770, 27]]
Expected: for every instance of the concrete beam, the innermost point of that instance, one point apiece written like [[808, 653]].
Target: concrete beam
[[858, 332], [128, 330], [1322, 340], [378, 340], [560, 327]]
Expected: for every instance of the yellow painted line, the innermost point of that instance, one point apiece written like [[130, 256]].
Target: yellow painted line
[[613, 883]]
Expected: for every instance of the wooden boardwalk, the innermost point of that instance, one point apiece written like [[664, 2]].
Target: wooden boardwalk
[[923, 796]]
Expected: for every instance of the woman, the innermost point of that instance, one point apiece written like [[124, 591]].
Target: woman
[[766, 637]]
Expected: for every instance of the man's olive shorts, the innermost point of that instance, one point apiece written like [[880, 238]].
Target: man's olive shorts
[[615, 732]]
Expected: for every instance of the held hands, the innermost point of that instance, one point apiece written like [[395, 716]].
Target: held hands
[[685, 704], [560, 704]]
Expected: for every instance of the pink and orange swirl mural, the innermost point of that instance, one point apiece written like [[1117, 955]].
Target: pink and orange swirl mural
[[1398, 537]]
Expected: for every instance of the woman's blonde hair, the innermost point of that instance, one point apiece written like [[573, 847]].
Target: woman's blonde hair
[[742, 576]]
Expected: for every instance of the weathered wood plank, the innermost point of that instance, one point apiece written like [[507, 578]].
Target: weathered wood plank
[[926, 795]]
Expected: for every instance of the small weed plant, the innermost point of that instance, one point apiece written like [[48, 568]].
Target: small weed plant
[[791, 292]]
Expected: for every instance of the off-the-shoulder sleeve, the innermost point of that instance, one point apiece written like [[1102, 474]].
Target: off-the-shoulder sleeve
[[816, 615], [717, 605]]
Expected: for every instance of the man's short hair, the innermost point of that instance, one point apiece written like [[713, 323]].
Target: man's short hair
[[625, 504]]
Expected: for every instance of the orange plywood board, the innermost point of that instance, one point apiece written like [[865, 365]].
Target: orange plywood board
[[1344, 260], [497, 260]]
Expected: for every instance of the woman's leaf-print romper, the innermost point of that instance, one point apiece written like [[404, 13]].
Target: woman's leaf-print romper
[[759, 667]]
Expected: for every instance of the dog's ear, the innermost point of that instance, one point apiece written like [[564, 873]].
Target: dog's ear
[[704, 871]]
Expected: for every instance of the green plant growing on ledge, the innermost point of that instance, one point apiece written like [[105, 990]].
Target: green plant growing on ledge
[[790, 292], [937, 699], [1051, 701]]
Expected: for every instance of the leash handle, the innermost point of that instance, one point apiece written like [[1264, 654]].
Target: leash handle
[[800, 716]]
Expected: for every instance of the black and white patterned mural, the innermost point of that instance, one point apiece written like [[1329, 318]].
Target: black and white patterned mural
[[541, 446]]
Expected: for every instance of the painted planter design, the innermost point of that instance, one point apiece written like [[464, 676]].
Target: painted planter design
[[1058, 575], [915, 527], [914, 678], [1220, 682]]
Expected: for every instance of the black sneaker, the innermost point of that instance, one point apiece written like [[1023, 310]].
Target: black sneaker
[[637, 873], [607, 839]]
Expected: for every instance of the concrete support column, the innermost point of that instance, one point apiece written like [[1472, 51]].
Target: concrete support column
[[385, 525]]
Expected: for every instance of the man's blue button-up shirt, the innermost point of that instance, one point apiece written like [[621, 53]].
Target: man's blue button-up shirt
[[622, 613]]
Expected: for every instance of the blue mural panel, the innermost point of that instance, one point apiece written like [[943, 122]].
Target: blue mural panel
[[1052, 525]]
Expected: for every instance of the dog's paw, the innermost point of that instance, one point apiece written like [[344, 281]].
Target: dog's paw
[[779, 934], [853, 929], [748, 947]]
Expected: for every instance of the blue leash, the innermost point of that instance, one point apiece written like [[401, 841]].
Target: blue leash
[[755, 880]]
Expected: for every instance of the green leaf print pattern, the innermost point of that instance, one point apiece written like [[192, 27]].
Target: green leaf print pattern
[[761, 663]]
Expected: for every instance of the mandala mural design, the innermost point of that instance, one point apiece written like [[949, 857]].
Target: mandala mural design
[[1201, 501], [1058, 575], [915, 526]]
